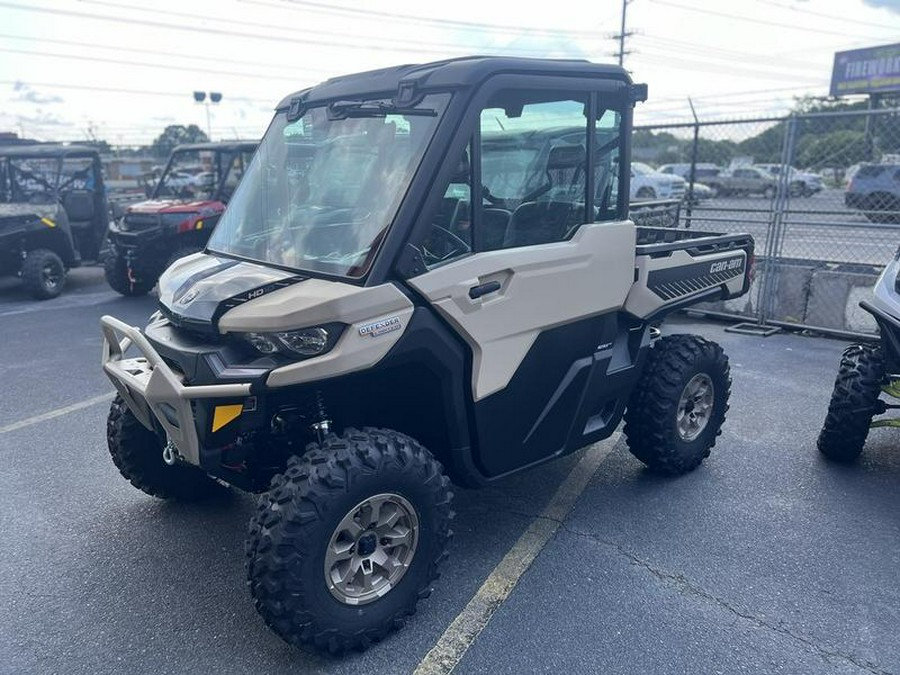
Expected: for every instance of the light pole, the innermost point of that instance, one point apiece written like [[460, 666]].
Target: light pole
[[214, 98]]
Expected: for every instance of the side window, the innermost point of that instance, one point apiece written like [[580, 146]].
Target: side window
[[450, 235], [533, 160], [607, 165]]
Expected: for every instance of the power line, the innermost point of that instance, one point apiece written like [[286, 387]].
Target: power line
[[728, 54], [155, 52], [437, 22], [668, 60], [777, 24], [834, 17], [117, 90], [142, 64]]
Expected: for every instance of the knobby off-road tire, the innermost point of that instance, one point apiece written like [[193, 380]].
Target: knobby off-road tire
[[684, 375], [853, 403], [137, 453], [116, 271], [297, 521], [43, 274]]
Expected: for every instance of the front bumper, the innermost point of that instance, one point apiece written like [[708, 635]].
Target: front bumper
[[155, 392]]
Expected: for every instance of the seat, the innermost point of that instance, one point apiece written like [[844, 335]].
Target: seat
[[79, 207], [538, 223], [495, 223]]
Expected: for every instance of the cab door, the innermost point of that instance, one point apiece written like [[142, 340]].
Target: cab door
[[542, 264]]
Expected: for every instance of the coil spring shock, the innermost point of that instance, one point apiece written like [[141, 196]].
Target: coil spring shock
[[322, 425]]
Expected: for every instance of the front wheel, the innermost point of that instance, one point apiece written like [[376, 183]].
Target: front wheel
[[348, 539], [854, 402], [678, 406], [43, 274], [115, 268]]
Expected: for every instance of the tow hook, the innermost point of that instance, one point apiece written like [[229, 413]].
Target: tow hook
[[170, 454]]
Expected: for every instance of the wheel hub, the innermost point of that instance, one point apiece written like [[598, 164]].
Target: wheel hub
[[695, 407], [371, 549]]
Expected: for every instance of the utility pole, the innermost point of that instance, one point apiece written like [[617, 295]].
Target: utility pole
[[623, 34]]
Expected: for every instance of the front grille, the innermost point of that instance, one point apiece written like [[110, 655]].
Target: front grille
[[135, 222]]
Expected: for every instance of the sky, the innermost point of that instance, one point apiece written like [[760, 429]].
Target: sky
[[121, 71]]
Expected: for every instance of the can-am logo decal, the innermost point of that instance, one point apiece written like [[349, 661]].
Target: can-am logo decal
[[726, 265], [381, 327], [188, 297]]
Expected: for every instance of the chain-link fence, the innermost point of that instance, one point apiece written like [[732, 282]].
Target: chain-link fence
[[819, 192]]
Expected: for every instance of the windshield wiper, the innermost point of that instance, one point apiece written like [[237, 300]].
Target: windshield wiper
[[340, 110]]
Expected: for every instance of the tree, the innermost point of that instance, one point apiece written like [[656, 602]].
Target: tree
[[176, 134]]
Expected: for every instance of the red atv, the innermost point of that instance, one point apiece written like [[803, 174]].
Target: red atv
[[178, 218]]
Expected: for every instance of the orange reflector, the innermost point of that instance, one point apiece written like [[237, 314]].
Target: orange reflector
[[48, 222], [225, 414], [198, 225]]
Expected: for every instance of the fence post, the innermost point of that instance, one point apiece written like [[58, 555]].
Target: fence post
[[775, 232], [694, 151]]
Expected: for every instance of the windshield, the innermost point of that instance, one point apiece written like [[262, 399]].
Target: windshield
[[191, 174], [32, 180], [641, 169], [321, 191]]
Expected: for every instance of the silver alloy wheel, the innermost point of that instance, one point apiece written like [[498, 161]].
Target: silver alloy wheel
[[695, 407], [371, 549]]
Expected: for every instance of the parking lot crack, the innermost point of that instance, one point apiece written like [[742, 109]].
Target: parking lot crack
[[686, 587]]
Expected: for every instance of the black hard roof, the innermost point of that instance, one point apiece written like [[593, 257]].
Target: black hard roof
[[465, 71], [47, 150], [220, 146]]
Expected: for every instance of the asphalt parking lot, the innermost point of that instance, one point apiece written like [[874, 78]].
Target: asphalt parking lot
[[766, 559]]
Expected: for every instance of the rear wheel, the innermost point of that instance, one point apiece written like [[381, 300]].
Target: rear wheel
[[677, 409], [348, 539], [43, 274], [115, 268], [854, 402], [137, 453], [646, 193]]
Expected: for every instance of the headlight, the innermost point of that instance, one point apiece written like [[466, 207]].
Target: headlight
[[304, 342], [262, 343]]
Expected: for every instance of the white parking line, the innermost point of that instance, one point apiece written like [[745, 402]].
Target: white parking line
[[467, 626], [65, 410]]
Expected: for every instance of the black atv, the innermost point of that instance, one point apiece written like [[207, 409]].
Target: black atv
[[53, 213], [179, 216]]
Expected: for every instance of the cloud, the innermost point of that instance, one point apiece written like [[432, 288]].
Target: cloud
[[892, 5], [27, 94]]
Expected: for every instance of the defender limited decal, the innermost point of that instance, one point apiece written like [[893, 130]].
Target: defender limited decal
[[381, 327]]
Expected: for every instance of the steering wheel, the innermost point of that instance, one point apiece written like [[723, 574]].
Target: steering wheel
[[443, 247]]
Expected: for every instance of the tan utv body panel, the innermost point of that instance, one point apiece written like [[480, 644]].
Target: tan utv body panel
[[314, 302], [642, 302], [541, 287]]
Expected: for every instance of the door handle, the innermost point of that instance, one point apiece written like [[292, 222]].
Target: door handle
[[483, 289]]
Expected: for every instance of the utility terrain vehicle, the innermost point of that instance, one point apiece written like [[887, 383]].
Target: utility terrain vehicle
[[53, 213], [427, 272], [867, 371], [177, 220]]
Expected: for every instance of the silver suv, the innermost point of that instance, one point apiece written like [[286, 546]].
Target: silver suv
[[875, 189]]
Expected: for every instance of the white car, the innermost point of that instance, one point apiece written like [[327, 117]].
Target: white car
[[648, 183]]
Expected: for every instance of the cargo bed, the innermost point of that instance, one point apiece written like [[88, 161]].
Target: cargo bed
[[678, 268]]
